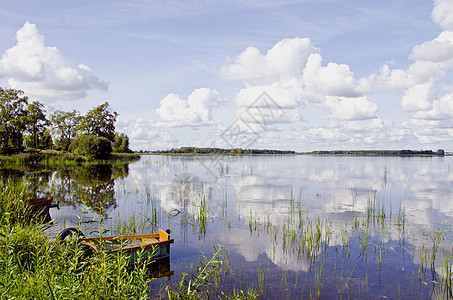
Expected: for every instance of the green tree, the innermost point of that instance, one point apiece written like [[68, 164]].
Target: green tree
[[121, 144], [91, 146], [99, 121], [36, 124], [64, 127], [13, 113]]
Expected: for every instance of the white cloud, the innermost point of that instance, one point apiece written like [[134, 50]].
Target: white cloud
[[332, 80], [434, 135], [442, 14], [419, 97], [442, 109], [43, 72], [326, 134], [433, 60], [283, 94], [351, 109], [292, 74], [144, 136], [293, 68], [196, 110], [356, 134], [435, 51], [284, 61], [419, 73]]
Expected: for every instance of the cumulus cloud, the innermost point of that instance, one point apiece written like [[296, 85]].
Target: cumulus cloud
[[351, 134], [292, 73], [196, 110], [351, 109], [144, 136], [332, 80], [442, 110], [435, 51], [442, 14], [282, 95], [43, 72], [285, 60], [419, 97], [433, 60], [419, 73], [434, 135]]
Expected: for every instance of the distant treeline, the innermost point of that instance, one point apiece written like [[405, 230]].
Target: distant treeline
[[218, 151], [439, 152], [240, 151]]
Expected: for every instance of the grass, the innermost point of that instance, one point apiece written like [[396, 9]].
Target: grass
[[57, 159], [36, 266]]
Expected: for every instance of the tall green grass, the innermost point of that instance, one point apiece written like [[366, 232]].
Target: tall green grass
[[34, 265]]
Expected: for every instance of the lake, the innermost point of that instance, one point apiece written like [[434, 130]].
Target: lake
[[294, 226]]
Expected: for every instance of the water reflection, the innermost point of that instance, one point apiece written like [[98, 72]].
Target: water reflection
[[91, 186], [296, 211]]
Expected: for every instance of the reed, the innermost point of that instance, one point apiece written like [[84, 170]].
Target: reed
[[203, 214]]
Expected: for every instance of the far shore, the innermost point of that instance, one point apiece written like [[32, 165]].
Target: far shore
[[194, 151]]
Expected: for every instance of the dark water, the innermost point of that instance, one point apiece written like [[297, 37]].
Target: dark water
[[293, 226]]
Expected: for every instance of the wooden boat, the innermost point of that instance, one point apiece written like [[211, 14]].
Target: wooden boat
[[41, 207], [156, 246]]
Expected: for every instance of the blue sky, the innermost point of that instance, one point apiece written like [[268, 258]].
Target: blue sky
[[300, 75]]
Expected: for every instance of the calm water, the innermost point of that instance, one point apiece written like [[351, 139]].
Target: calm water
[[293, 226]]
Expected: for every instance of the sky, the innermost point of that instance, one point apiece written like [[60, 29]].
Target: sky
[[291, 75]]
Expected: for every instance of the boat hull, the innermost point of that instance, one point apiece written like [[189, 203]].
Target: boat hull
[[142, 247]]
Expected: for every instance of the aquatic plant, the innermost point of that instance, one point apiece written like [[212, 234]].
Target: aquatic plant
[[196, 285]]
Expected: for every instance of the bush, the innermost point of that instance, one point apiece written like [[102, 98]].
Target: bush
[[91, 146], [25, 247], [121, 144]]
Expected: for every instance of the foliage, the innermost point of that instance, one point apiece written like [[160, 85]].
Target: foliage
[[380, 152], [39, 141], [19, 118], [219, 151], [13, 204], [36, 126], [64, 127], [40, 158], [33, 267], [121, 144], [99, 122], [198, 285], [24, 247], [12, 120], [195, 285], [91, 146]]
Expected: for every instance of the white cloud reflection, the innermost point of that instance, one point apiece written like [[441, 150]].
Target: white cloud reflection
[[259, 196]]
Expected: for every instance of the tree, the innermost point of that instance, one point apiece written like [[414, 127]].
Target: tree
[[36, 126], [64, 127], [12, 119], [99, 121], [121, 144], [91, 146]]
